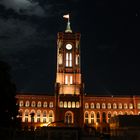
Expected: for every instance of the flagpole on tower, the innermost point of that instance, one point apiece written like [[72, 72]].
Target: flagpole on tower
[[68, 28]]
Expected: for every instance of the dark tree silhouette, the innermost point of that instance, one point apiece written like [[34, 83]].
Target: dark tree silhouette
[[8, 106]]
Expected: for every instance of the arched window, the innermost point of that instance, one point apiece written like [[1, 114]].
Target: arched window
[[65, 104], [77, 105], [73, 104], [44, 116], [27, 104], [98, 117], [109, 116], [120, 106], [86, 117], [68, 117], [69, 104], [68, 59], [38, 115], [39, 104], [26, 115], [32, 115], [114, 106], [50, 116], [92, 117], [98, 105], [138, 105], [125, 106], [104, 117], [130, 106], [21, 103], [51, 104], [20, 113], [103, 106], [109, 105], [61, 104], [86, 106], [114, 113], [92, 105], [45, 104], [33, 104], [120, 113]]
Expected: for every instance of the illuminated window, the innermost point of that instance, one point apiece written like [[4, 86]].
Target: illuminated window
[[44, 113], [66, 79], [125, 106], [50, 116], [33, 104], [120, 113], [114, 113], [77, 105], [114, 106], [109, 105], [27, 104], [71, 81], [98, 106], [32, 114], [21, 103], [86, 105], [45, 104], [131, 113], [73, 104], [92, 105], [44, 120], [130, 106], [68, 117], [86, 118], [39, 104], [68, 59], [98, 117], [120, 106], [38, 113], [69, 104], [92, 117], [61, 104], [104, 117], [103, 105], [51, 104], [138, 105], [65, 104], [26, 115]]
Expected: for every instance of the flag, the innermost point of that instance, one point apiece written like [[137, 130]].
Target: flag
[[66, 16]]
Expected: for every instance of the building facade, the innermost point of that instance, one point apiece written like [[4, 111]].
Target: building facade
[[70, 106]]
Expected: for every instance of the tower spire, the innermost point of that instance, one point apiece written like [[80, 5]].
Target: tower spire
[[68, 28]]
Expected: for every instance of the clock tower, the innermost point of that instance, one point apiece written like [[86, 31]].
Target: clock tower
[[69, 86]]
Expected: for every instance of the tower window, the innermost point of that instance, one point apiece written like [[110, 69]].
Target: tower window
[[68, 59]]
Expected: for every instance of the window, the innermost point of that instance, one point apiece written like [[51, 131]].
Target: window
[[77, 59], [68, 117], [130, 106], [109, 116], [92, 117], [69, 104], [51, 104], [103, 105], [114, 106], [138, 105], [104, 117], [125, 106], [71, 82], [86, 105], [77, 105], [44, 120], [27, 104], [86, 118], [65, 104], [44, 113], [109, 105], [120, 105], [114, 113], [120, 113], [92, 105], [98, 117], [20, 113], [61, 104], [50, 116], [21, 103], [68, 59], [66, 79], [26, 115], [45, 104], [98, 106], [33, 104], [73, 104], [39, 104]]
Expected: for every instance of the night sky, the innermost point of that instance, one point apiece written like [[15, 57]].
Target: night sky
[[110, 43]]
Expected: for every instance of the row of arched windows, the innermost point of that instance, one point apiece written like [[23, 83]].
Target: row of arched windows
[[109, 106], [39, 116], [35, 104], [98, 117], [69, 104]]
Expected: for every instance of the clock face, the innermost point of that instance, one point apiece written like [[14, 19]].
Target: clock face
[[68, 46]]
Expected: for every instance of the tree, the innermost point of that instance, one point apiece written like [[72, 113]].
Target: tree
[[8, 105]]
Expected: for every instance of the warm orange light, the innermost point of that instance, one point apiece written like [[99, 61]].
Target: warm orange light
[[45, 124], [66, 16]]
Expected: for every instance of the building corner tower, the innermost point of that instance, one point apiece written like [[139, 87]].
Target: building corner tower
[[69, 86]]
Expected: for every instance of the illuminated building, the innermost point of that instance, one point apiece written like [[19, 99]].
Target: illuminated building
[[69, 106]]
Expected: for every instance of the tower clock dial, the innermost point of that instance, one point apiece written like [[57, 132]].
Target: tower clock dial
[[68, 46]]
